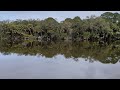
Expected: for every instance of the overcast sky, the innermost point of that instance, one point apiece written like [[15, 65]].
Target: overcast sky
[[59, 15]]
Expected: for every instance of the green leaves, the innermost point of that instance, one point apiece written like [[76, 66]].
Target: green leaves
[[111, 17], [108, 24]]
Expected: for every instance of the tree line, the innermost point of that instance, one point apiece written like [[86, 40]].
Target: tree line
[[104, 27]]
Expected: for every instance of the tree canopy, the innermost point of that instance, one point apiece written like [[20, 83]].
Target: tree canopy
[[104, 27]]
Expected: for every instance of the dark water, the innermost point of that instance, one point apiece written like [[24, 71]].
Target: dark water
[[59, 60]]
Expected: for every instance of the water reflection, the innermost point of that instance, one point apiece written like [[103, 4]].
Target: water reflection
[[104, 52], [57, 67], [51, 60]]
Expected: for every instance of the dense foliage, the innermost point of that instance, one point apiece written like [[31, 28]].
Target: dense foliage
[[104, 27]]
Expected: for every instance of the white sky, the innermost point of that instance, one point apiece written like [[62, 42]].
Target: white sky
[[59, 15]]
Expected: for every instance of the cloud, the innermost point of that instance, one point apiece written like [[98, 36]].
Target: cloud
[[60, 15]]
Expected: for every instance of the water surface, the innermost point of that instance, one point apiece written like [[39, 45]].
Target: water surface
[[59, 60]]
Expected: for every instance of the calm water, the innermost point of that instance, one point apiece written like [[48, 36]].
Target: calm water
[[59, 60]]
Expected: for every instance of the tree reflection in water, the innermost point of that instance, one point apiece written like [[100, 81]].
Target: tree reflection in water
[[104, 52]]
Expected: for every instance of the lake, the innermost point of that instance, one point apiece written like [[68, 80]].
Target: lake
[[59, 60]]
